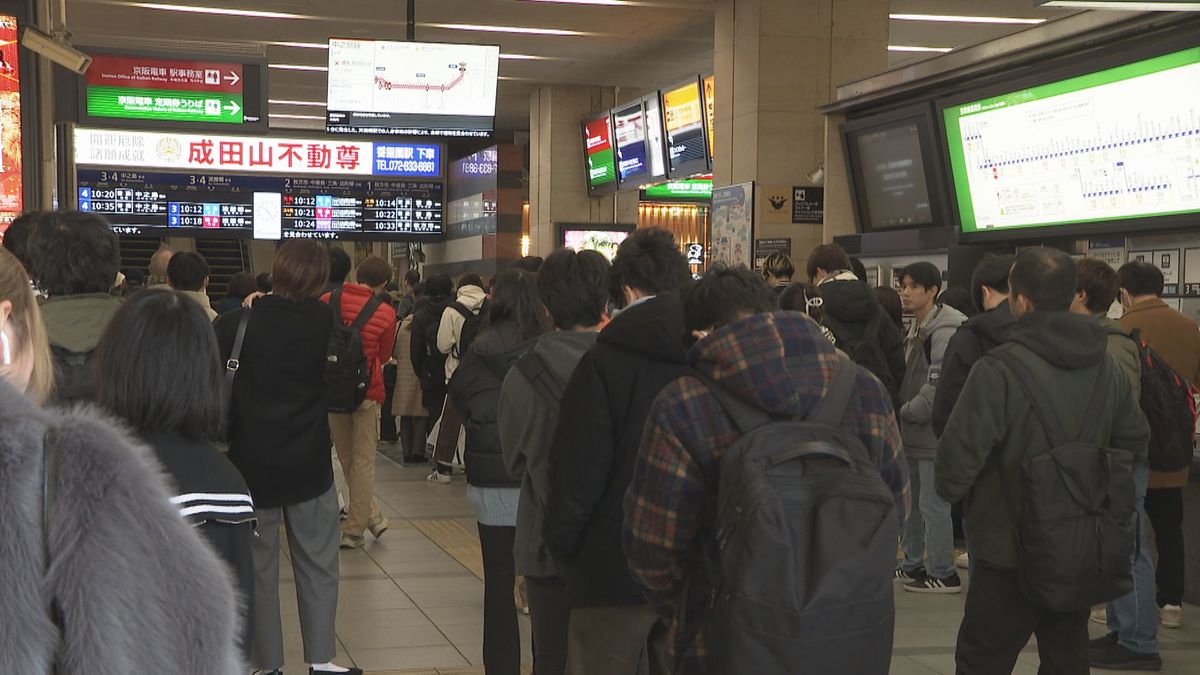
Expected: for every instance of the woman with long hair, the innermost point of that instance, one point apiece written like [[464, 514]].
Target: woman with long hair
[[516, 316], [98, 572]]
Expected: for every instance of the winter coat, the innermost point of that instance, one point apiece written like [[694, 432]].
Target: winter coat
[[1176, 339], [407, 401], [205, 303], [378, 336], [851, 305], [1125, 351], [979, 335], [212, 496], [994, 429], [428, 363], [74, 326], [926, 346], [279, 436], [475, 392], [602, 416], [450, 329], [527, 423], [780, 363], [137, 589]]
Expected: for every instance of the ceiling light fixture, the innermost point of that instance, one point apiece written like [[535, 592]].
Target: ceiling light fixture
[[297, 66], [909, 48], [949, 18], [299, 45], [1161, 6], [617, 3], [295, 117], [520, 30], [315, 104], [222, 11], [523, 57]]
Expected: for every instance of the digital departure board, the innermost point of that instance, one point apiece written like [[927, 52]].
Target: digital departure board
[[1115, 145], [192, 204]]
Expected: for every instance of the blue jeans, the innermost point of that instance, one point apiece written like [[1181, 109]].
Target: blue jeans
[[929, 528], [1134, 618]]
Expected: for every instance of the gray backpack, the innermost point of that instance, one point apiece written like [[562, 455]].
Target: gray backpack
[[806, 538]]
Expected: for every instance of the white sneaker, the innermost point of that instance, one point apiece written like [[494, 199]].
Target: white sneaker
[[378, 527], [1171, 616], [1100, 615], [351, 541], [962, 562], [438, 478]]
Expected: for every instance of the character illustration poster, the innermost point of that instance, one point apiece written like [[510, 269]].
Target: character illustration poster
[[10, 123], [732, 225]]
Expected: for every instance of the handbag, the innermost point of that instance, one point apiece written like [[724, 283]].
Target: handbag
[[231, 368]]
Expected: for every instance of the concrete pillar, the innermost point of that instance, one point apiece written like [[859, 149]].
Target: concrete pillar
[[557, 183], [776, 61]]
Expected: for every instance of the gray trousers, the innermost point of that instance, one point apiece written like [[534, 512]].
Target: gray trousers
[[313, 534]]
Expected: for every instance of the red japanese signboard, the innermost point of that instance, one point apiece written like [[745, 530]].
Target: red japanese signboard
[[10, 123]]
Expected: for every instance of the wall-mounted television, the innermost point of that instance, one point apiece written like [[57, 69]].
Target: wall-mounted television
[[411, 88], [895, 171], [603, 238], [629, 136], [599, 155], [1093, 147], [684, 123], [655, 138]]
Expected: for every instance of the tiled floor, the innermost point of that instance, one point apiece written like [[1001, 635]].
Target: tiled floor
[[412, 602]]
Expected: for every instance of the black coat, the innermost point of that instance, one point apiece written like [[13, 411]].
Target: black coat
[[979, 335], [852, 304], [279, 431], [427, 361], [601, 419], [475, 392]]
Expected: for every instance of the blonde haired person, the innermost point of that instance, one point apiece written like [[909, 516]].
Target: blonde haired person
[[94, 551]]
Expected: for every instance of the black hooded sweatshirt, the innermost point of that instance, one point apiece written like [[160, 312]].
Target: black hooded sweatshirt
[[601, 419], [979, 335], [852, 304]]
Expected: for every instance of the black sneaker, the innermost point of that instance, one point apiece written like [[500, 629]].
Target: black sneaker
[[904, 575], [931, 584], [1106, 641], [1117, 657]]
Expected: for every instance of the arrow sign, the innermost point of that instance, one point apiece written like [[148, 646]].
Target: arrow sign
[[232, 108], [232, 78]]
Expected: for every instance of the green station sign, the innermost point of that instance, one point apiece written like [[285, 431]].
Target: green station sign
[[692, 188]]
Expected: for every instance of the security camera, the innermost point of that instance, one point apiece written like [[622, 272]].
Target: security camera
[[56, 50], [817, 175]]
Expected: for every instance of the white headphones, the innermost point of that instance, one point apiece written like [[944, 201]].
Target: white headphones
[[5, 349]]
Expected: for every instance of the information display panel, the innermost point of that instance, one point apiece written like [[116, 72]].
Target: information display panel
[[629, 125], [655, 142], [600, 155], [684, 121], [1108, 147], [198, 204], [411, 88]]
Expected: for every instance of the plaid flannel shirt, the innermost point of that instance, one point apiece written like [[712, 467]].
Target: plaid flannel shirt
[[670, 507]]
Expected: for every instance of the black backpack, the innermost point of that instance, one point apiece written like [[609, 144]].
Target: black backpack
[[472, 324], [74, 375], [1169, 403], [347, 369], [866, 351], [806, 535], [433, 374], [1074, 522]]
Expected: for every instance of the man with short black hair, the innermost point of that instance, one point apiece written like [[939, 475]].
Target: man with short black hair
[[339, 268], [995, 431], [851, 311], [1176, 339], [603, 413], [16, 239], [408, 301], [188, 273], [669, 532], [929, 531], [77, 256], [574, 288]]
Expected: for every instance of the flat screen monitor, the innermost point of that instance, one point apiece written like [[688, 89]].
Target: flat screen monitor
[[1115, 149], [655, 141], [411, 88], [584, 237], [684, 122], [894, 170], [265, 207], [600, 155], [629, 133]]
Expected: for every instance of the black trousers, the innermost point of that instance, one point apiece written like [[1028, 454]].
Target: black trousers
[[387, 421], [413, 431], [501, 637], [1165, 508], [550, 615], [999, 621]]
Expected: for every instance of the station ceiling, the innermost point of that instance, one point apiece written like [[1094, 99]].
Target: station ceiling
[[635, 44]]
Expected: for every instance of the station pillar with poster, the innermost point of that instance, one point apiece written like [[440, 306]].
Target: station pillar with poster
[[775, 137]]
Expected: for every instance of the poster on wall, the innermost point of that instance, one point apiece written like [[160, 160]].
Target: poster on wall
[[732, 225], [765, 248], [10, 123]]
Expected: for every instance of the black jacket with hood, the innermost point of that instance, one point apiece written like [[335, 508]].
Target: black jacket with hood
[[979, 335], [601, 419], [428, 363], [852, 304], [475, 392], [994, 430]]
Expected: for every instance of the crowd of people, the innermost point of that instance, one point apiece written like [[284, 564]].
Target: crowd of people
[[690, 475]]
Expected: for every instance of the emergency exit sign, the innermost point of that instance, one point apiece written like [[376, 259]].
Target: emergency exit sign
[[146, 88]]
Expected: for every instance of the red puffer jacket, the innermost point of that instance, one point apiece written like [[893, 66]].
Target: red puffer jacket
[[378, 336]]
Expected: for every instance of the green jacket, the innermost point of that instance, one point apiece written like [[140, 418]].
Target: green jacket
[[77, 322], [1126, 352], [994, 429]]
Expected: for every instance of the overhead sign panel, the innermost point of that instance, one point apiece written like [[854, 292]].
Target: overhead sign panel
[[683, 114], [601, 164]]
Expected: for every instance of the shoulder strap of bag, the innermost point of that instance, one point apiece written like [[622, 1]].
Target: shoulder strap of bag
[[533, 368], [1042, 408], [832, 407], [234, 362], [367, 312]]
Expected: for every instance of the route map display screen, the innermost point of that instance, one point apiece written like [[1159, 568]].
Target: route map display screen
[[273, 207], [1114, 145], [888, 166], [411, 88], [683, 114]]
